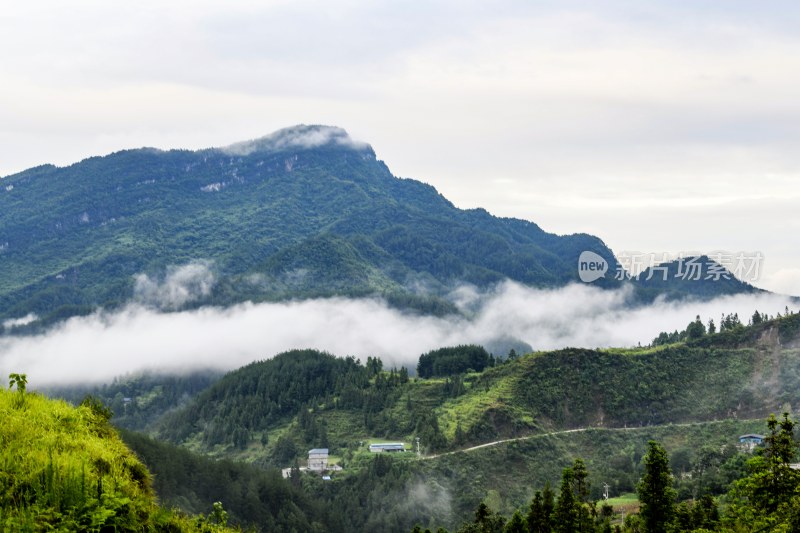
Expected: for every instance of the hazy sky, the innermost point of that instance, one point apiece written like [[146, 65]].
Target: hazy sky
[[658, 126]]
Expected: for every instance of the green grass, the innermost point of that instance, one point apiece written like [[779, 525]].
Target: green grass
[[65, 468], [627, 500], [468, 408]]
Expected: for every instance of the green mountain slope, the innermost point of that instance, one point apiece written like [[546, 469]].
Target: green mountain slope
[[65, 469], [276, 218], [548, 408], [272, 411]]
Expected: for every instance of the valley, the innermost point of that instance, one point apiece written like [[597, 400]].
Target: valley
[[483, 437]]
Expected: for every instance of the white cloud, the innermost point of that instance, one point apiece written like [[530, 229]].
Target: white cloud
[[22, 321], [181, 285], [296, 137], [785, 281], [104, 345]]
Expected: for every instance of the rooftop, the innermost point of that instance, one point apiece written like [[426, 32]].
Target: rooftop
[[318, 451]]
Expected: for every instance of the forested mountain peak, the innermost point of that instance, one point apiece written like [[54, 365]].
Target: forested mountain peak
[[307, 211], [304, 212]]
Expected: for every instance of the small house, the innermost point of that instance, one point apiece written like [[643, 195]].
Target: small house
[[318, 459], [750, 441]]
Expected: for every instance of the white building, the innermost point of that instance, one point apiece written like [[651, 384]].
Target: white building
[[318, 459], [387, 447]]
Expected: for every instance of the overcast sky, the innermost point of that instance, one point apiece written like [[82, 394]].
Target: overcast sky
[[658, 126]]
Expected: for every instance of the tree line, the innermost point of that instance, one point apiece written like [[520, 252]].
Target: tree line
[[729, 322]]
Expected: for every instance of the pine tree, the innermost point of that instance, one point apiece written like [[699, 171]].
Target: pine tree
[[516, 524], [548, 505], [488, 521], [695, 329], [775, 482], [538, 518], [655, 490], [580, 487], [765, 499], [566, 515]]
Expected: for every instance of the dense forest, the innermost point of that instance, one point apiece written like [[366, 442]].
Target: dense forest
[[252, 497], [453, 361]]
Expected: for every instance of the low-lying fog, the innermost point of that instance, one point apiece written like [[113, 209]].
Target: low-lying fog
[[141, 336]]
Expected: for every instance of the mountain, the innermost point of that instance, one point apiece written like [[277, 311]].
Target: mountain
[[697, 276], [300, 213]]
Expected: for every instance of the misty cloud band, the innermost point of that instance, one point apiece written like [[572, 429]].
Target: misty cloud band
[[103, 345]]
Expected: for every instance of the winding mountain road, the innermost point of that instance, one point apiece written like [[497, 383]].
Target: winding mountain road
[[553, 433]]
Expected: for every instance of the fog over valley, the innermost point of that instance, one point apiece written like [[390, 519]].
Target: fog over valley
[[144, 336]]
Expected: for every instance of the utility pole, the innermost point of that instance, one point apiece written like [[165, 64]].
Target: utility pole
[[418, 452]]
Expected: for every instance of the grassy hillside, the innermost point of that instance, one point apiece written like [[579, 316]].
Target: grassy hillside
[[384, 492], [65, 469], [394, 492]]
